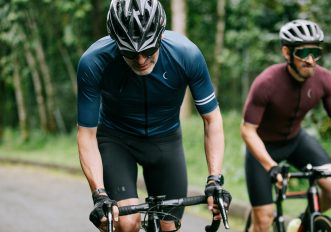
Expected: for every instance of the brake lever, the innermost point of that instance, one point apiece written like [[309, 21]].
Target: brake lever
[[284, 174], [220, 204], [109, 218]]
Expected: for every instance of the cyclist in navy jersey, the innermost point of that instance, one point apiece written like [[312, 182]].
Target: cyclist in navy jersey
[[131, 85], [277, 102]]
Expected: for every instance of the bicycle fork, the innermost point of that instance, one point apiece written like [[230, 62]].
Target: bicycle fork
[[313, 208]]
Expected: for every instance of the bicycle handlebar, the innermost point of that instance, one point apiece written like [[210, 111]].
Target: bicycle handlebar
[[186, 201], [308, 172]]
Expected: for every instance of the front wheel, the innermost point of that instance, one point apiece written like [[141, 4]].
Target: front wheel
[[322, 223]]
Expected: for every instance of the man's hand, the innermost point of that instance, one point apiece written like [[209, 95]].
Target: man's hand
[[98, 216], [276, 176], [226, 196], [213, 189], [274, 172]]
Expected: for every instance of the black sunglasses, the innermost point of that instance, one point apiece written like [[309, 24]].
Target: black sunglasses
[[302, 53], [133, 55]]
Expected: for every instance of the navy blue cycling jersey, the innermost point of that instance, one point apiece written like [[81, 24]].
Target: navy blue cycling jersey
[[111, 94]]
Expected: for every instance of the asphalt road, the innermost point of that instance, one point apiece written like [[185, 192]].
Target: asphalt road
[[36, 199]]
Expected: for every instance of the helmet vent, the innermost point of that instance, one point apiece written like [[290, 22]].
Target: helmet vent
[[302, 31], [311, 32]]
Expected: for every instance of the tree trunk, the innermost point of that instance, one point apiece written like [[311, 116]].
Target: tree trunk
[[98, 20], [37, 87], [219, 40], [70, 67], [2, 109], [245, 76], [52, 107], [21, 108], [178, 12]]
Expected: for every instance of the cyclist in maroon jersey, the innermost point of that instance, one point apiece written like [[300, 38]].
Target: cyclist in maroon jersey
[[277, 102]]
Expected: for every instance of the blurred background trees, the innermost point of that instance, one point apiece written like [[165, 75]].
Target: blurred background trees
[[41, 42]]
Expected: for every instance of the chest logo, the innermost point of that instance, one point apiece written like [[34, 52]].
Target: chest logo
[[309, 93], [164, 76]]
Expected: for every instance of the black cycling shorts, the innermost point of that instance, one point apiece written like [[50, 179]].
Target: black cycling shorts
[[162, 160], [299, 151]]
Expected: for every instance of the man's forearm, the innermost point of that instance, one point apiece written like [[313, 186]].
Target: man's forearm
[[214, 145], [92, 168], [214, 142], [256, 146], [90, 161]]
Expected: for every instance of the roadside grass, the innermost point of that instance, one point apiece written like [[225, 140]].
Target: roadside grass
[[63, 150], [41, 147]]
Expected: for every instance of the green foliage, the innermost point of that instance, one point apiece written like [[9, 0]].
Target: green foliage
[[250, 44], [318, 123]]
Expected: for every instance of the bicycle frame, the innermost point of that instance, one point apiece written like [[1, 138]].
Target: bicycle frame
[[279, 221]]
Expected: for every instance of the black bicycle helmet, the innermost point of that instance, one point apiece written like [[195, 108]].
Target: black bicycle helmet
[[136, 25], [299, 32]]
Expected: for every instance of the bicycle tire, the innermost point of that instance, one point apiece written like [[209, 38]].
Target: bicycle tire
[[322, 223]]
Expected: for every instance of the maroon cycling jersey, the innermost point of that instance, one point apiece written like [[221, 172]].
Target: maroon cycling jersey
[[277, 103]]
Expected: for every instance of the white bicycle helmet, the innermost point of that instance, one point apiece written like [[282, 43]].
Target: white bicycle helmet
[[136, 25], [299, 32]]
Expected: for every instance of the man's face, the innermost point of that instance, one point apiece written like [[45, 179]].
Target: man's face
[[305, 58], [142, 64]]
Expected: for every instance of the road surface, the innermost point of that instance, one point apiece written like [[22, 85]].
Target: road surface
[[35, 199]]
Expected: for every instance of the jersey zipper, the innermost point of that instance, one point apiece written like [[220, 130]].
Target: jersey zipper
[[295, 112], [145, 105]]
